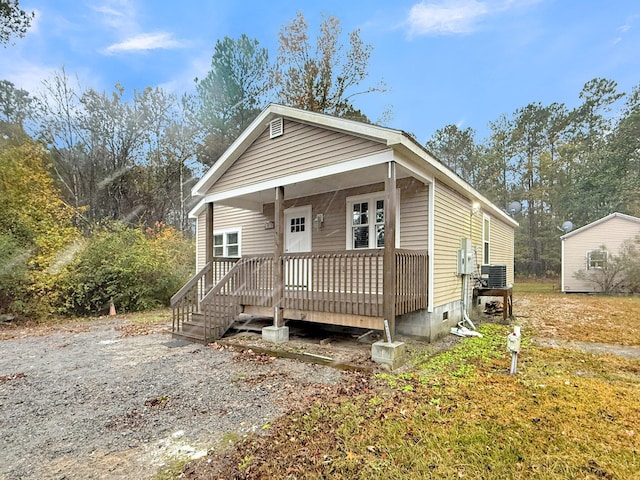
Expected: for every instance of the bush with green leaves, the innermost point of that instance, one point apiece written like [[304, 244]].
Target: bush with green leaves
[[134, 269], [13, 274]]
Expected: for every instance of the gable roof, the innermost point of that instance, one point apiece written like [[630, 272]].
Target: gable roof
[[396, 139], [602, 220]]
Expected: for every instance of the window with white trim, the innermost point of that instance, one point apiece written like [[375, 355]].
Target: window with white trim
[[596, 259], [365, 221], [486, 244], [226, 243]]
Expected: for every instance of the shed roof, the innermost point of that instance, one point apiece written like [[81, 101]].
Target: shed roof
[[601, 220]]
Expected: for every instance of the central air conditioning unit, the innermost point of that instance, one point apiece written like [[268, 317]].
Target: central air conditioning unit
[[495, 276]]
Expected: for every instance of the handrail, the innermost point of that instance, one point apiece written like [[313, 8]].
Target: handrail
[[221, 304], [191, 283]]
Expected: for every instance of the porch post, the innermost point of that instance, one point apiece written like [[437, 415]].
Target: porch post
[[208, 256], [389, 259], [278, 267]]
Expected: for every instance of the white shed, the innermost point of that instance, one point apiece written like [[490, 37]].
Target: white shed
[[587, 247]]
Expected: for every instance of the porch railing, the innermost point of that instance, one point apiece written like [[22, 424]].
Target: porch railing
[[248, 282], [347, 282], [352, 282], [411, 280], [187, 299]]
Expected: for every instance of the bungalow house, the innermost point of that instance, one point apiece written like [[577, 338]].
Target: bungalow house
[[322, 219], [587, 248]]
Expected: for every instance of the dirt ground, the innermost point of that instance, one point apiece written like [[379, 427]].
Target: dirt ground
[[591, 323], [106, 399], [110, 399]]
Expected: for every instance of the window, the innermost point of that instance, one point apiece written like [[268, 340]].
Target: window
[[297, 225], [596, 259], [486, 235], [226, 243], [365, 221]]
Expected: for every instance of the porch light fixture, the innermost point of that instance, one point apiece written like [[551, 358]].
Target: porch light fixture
[[318, 221]]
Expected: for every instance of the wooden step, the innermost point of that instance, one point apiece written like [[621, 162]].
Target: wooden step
[[189, 338], [193, 329]]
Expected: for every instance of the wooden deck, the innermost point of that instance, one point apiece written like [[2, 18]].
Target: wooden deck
[[340, 288]]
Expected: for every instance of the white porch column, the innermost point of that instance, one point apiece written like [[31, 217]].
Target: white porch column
[[278, 267], [208, 255], [389, 259]]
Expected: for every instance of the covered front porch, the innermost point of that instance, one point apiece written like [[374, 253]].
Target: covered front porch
[[356, 287]]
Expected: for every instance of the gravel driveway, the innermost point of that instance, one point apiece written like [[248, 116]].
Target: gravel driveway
[[92, 403]]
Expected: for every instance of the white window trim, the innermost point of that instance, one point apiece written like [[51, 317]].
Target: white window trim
[[605, 254], [486, 261], [371, 198], [224, 232]]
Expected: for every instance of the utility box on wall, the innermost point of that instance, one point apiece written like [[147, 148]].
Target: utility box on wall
[[465, 257]]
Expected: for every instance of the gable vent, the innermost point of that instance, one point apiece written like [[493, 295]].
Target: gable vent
[[276, 128]]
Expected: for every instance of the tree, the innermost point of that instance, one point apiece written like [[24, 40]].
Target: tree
[[456, 148], [231, 95], [497, 174], [16, 105], [35, 222], [61, 129], [322, 78], [13, 20]]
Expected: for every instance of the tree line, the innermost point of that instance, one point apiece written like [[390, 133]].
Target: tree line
[[561, 164], [101, 160], [95, 186]]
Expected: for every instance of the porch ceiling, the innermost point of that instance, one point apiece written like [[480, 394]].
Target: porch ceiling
[[313, 186]]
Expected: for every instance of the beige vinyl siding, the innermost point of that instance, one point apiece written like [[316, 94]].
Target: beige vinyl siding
[[254, 239], [501, 245], [301, 148], [452, 216], [331, 236], [611, 233], [414, 214]]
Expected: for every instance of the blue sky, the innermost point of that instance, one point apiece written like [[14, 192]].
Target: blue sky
[[461, 62]]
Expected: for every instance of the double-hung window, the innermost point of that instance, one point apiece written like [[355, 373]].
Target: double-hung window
[[365, 221], [596, 259], [226, 243]]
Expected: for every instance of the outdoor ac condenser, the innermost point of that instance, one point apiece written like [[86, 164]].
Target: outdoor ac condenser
[[495, 275]]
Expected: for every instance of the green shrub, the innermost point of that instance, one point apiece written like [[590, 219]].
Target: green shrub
[[136, 270], [13, 274]]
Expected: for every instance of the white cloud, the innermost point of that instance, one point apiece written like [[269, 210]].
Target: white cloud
[[145, 42], [446, 17], [119, 15]]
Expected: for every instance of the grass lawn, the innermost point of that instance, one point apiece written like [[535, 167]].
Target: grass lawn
[[459, 414]]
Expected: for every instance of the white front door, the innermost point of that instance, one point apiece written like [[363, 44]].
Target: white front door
[[297, 235], [297, 239]]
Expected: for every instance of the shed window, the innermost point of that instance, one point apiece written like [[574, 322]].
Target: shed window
[[596, 259], [226, 243]]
